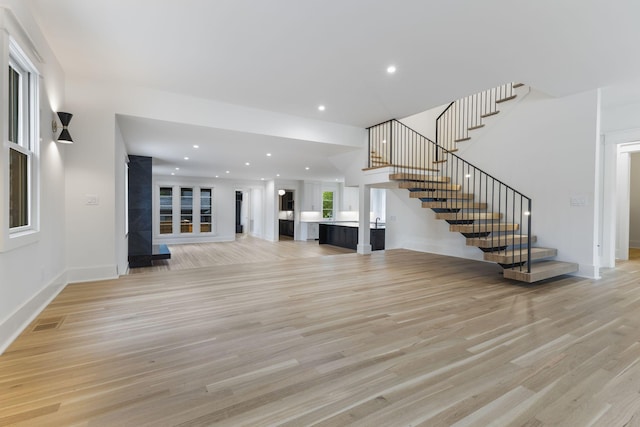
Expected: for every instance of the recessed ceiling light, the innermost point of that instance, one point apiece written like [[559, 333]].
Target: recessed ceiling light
[[277, 174], [307, 168], [261, 179], [173, 173], [268, 154], [196, 146], [177, 169], [391, 69], [321, 107], [186, 158], [247, 164], [384, 141], [217, 176], [227, 172]]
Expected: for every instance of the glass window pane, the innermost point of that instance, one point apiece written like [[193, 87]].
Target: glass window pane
[[186, 210], [166, 210], [205, 210], [327, 204], [18, 189]]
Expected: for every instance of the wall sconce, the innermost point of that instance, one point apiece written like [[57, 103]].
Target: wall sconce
[[64, 137], [281, 192]]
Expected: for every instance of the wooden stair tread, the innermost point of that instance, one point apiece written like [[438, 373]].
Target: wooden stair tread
[[541, 270], [375, 167], [414, 167], [498, 240], [517, 85], [516, 255], [476, 127], [465, 216], [508, 98], [462, 140], [483, 228], [454, 204], [399, 176], [426, 186], [490, 114], [440, 194], [440, 161]]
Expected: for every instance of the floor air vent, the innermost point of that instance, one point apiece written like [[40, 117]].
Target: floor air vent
[[46, 324]]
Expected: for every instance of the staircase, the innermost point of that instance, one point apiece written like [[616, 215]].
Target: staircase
[[490, 214]]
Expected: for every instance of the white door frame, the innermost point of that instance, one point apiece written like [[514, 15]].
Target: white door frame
[[616, 195]]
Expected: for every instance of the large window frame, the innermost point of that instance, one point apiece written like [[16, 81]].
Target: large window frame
[[206, 210], [190, 208], [186, 210], [20, 154]]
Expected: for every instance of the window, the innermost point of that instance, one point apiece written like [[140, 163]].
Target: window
[[22, 134], [166, 210], [205, 210], [179, 211], [186, 210], [327, 204], [18, 189]]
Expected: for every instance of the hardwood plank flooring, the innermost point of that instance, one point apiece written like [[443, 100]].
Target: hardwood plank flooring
[[244, 249], [397, 338]]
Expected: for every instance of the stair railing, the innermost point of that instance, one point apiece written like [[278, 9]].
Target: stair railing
[[452, 185], [465, 114]]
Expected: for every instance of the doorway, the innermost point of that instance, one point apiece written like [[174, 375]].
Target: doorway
[[617, 187], [628, 200], [239, 226]]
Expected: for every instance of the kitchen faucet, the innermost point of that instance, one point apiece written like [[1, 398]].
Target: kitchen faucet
[[377, 218]]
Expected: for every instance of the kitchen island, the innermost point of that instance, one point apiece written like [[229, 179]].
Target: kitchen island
[[345, 235]]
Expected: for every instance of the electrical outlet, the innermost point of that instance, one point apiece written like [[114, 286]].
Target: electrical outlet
[[91, 200]]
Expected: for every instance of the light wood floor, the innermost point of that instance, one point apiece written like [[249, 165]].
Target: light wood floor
[[244, 249], [397, 338]]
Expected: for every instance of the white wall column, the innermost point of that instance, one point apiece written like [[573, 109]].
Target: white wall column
[[364, 238]]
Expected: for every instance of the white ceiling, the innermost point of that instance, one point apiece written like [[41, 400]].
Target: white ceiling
[[220, 151], [292, 55]]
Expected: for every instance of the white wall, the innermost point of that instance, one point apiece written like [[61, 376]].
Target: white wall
[[410, 226], [271, 229], [547, 149], [378, 204], [90, 170], [30, 276], [425, 123], [256, 209]]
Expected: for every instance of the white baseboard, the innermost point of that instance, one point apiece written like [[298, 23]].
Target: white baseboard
[[13, 325], [588, 271], [92, 274], [634, 244]]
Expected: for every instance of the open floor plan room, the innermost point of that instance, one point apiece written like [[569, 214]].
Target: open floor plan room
[[396, 338]]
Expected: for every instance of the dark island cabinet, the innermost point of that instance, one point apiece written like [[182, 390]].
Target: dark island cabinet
[[346, 236]]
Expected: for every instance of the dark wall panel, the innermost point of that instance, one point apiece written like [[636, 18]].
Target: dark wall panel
[[140, 211]]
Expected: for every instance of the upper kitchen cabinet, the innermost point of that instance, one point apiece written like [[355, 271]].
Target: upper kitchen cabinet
[[312, 198], [350, 199]]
